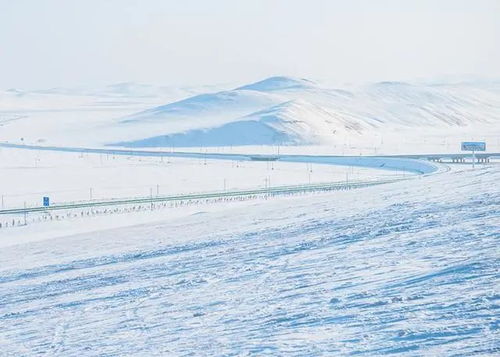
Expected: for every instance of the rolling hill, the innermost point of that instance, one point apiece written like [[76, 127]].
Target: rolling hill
[[274, 111], [289, 111]]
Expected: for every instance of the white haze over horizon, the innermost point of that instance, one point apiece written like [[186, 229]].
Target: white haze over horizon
[[50, 43]]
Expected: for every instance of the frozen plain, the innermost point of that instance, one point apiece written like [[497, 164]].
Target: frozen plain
[[409, 268], [28, 175]]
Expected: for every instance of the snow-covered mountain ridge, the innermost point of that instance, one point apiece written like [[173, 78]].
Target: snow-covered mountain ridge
[[298, 111], [384, 116]]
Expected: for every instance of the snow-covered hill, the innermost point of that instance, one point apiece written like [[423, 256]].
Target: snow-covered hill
[[215, 106], [279, 83], [385, 116], [288, 111], [292, 122]]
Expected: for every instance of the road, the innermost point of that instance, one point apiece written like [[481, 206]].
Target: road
[[380, 162], [271, 191], [409, 163], [400, 163]]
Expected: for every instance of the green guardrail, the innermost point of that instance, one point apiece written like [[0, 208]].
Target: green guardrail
[[277, 190]]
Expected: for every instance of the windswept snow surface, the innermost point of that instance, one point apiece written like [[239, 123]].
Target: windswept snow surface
[[403, 269]]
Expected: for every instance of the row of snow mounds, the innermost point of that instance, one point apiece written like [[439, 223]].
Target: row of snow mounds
[[289, 111]]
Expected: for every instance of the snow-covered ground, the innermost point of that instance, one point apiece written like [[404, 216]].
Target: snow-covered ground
[[69, 177], [76, 115], [409, 268], [277, 111], [29, 175], [403, 268]]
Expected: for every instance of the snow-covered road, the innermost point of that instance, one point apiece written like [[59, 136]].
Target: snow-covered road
[[68, 176], [388, 162], [395, 269]]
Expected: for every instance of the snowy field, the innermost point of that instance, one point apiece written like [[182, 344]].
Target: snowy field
[[406, 268], [249, 178], [409, 268], [73, 177], [28, 175]]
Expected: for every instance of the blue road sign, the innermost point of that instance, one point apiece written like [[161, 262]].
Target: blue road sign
[[473, 146], [46, 202]]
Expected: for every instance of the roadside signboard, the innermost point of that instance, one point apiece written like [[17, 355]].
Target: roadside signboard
[[473, 146], [46, 202]]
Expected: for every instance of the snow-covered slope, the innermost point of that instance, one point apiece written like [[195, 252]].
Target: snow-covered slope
[[297, 111], [411, 105], [291, 123], [402, 270], [279, 84], [77, 115], [225, 104]]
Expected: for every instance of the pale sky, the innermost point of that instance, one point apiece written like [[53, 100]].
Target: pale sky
[[48, 43]]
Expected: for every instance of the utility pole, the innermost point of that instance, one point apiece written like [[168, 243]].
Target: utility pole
[[267, 181], [151, 197], [90, 193], [25, 214]]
